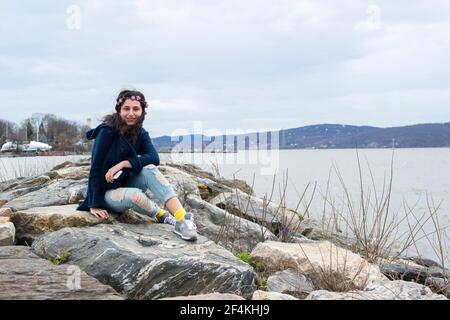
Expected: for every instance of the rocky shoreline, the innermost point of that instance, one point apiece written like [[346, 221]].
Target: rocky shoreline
[[49, 250]]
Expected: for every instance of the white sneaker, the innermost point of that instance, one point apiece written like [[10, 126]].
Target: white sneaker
[[186, 229]]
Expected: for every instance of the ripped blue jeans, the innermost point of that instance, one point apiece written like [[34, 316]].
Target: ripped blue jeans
[[133, 196]]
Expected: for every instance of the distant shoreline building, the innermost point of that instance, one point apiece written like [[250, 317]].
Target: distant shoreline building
[[32, 146]]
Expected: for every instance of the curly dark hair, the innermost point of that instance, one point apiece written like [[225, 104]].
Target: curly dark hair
[[129, 132]]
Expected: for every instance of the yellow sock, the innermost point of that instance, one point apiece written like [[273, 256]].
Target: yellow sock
[[160, 213], [179, 214]]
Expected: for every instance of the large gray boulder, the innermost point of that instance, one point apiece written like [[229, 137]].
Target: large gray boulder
[[7, 232], [271, 295], [208, 296], [31, 223], [216, 184], [291, 282], [385, 290], [187, 181], [70, 171], [73, 173], [78, 163], [183, 183], [21, 182], [17, 192], [423, 261], [283, 222], [11, 189], [230, 231], [399, 271], [58, 192], [148, 261], [25, 276]]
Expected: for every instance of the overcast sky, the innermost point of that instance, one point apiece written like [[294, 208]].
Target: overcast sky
[[231, 64]]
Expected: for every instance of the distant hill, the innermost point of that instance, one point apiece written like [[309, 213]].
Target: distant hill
[[322, 136]]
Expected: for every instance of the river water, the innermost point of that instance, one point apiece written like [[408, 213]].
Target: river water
[[420, 182], [420, 185]]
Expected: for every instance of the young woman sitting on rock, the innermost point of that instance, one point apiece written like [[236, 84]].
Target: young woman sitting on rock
[[124, 165]]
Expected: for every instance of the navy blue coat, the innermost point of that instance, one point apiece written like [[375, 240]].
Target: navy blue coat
[[109, 149]]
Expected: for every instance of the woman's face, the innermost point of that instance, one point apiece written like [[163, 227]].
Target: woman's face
[[130, 111]]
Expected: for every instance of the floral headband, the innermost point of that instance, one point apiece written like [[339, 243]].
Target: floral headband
[[137, 98]]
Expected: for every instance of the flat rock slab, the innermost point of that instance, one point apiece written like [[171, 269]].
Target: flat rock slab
[[7, 232], [58, 192], [31, 223], [271, 295], [149, 261], [400, 271], [25, 276], [386, 290], [34, 222], [209, 296], [74, 173], [290, 282]]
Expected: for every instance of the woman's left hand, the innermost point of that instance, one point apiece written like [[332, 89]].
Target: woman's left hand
[[109, 176]]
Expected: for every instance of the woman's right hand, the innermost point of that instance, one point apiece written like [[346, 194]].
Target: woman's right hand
[[99, 213]]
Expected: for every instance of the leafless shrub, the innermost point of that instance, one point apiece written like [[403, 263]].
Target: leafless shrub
[[336, 275]]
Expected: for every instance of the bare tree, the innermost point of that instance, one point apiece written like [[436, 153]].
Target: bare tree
[[8, 131]]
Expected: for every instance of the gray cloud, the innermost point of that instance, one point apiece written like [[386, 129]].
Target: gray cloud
[[231, 64]]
